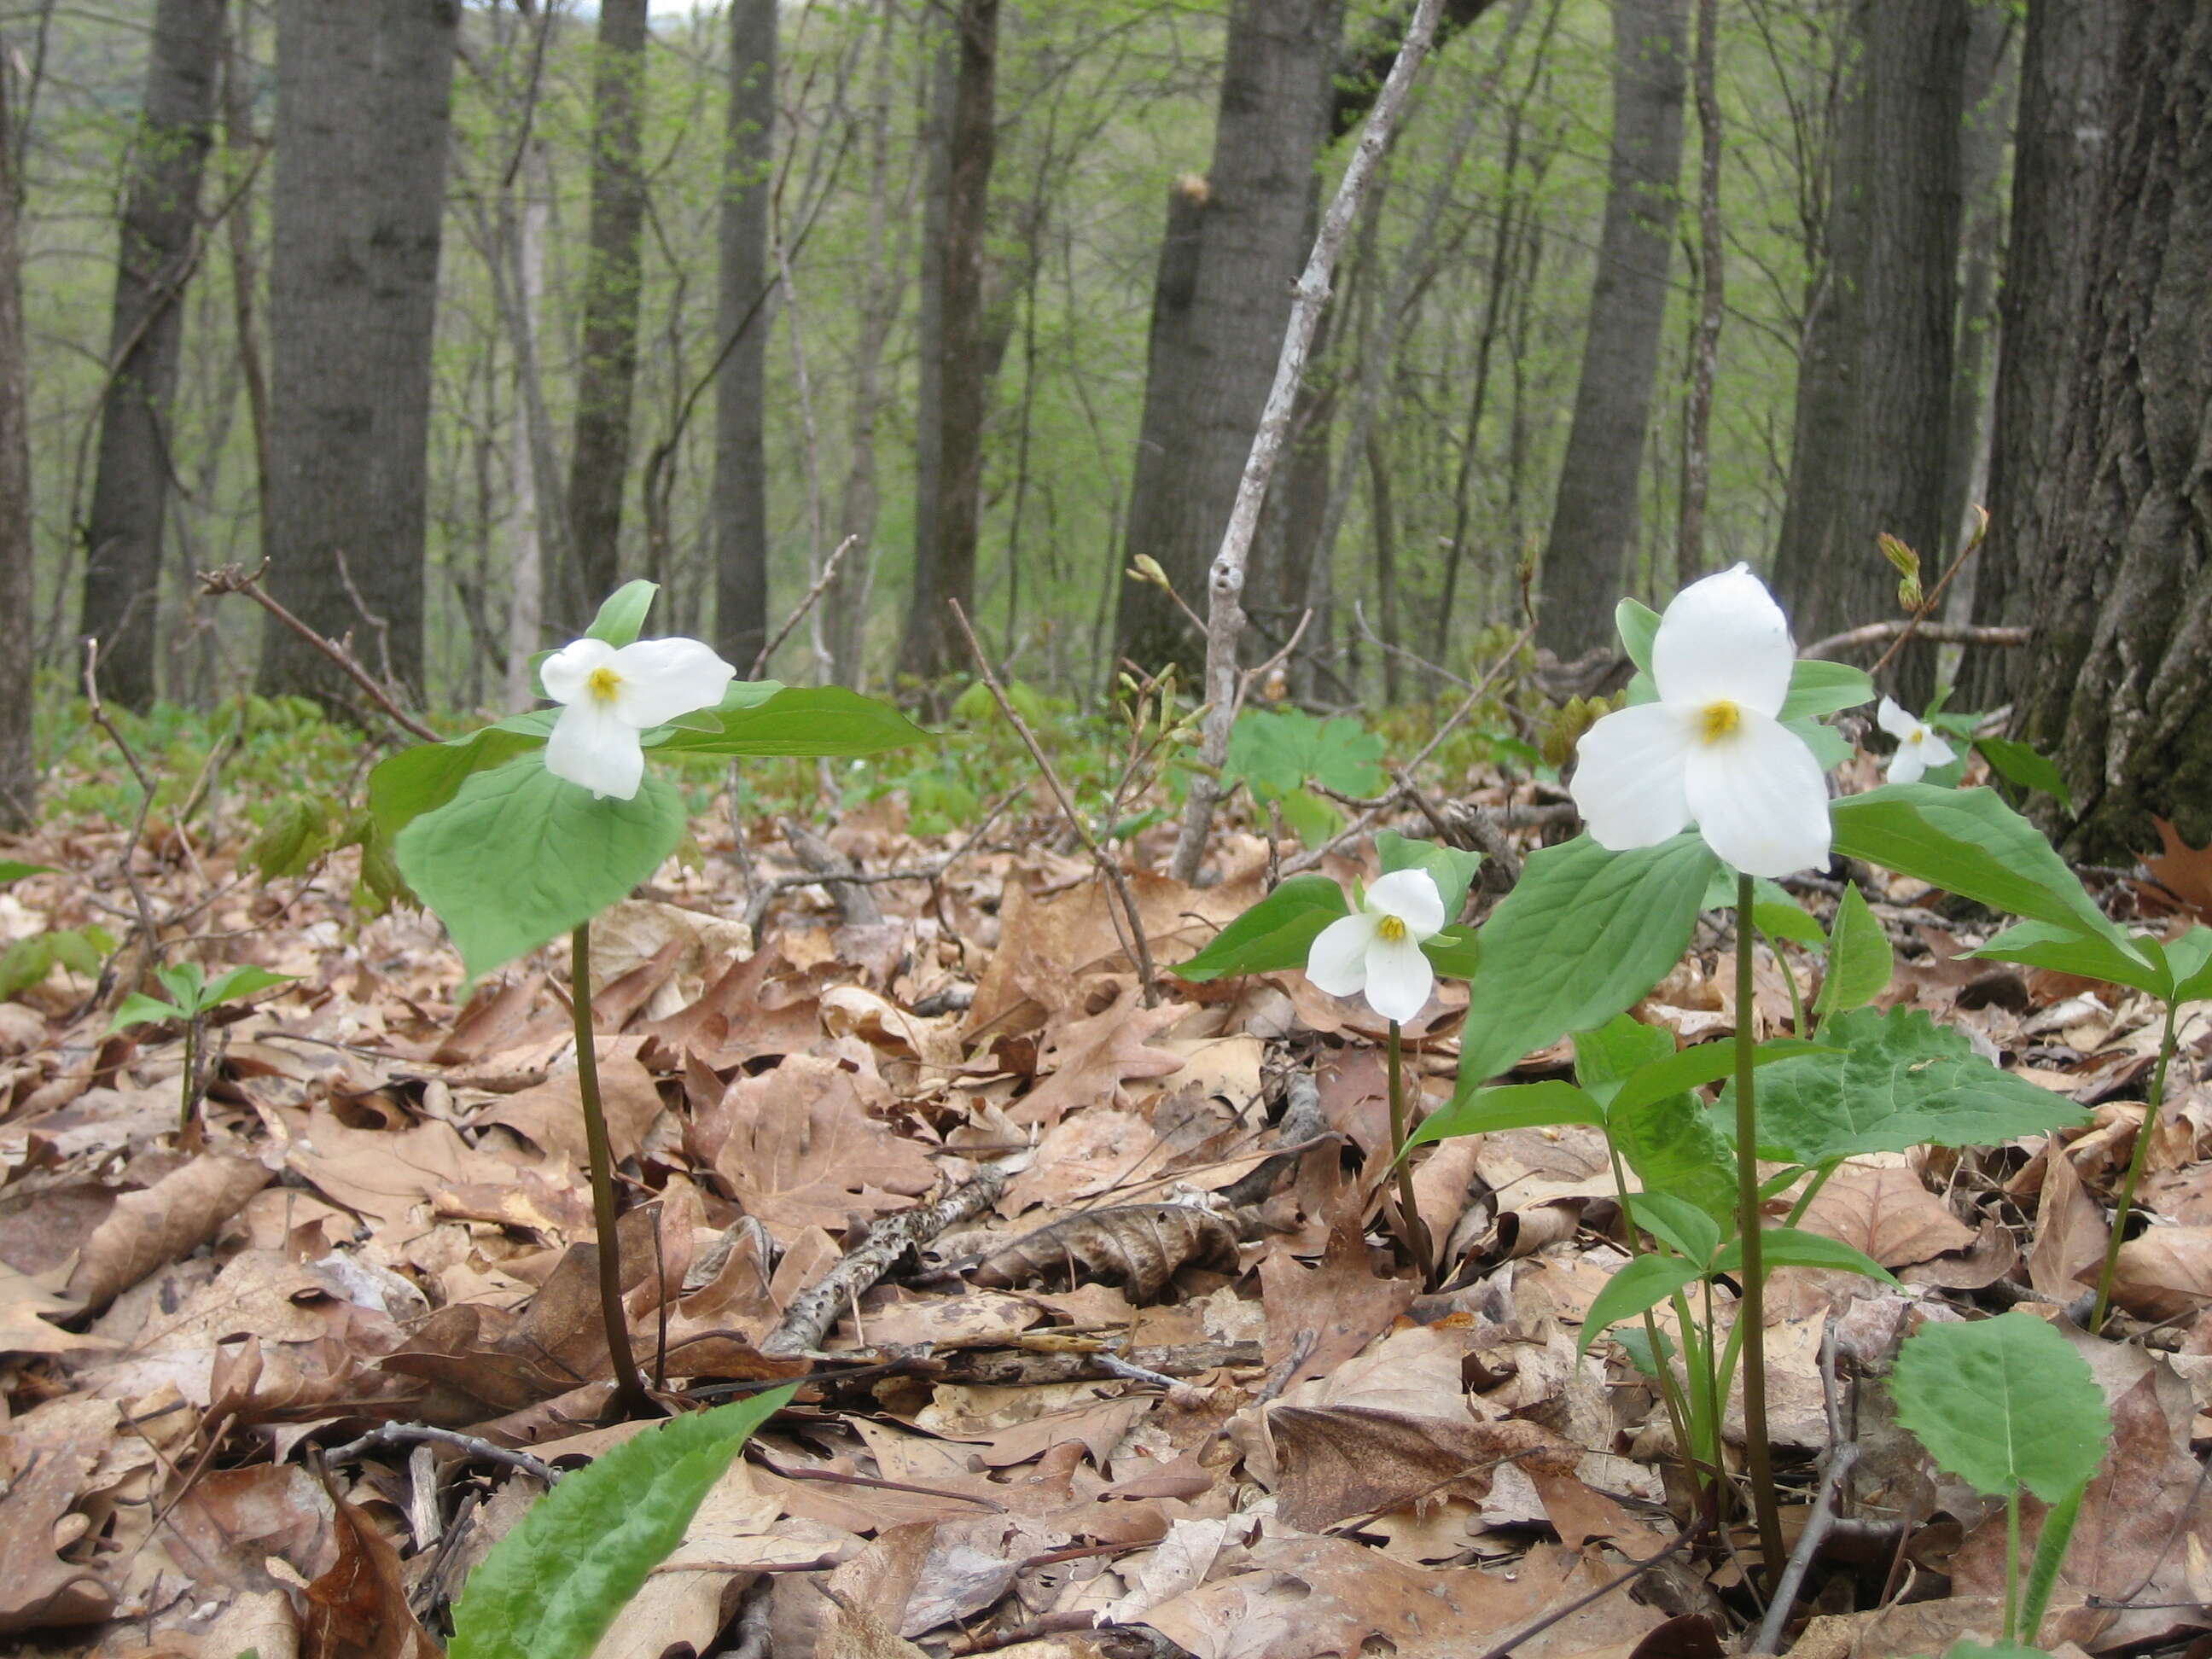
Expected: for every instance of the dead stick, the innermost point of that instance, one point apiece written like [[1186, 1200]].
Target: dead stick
[[1935, 632], [237, 579], [821, 584]]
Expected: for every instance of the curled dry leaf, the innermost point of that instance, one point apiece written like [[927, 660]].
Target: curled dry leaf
[[169, 1219], [358, 1609], [1139, 1247]]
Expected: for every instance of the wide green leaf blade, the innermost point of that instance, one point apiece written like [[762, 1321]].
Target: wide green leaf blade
[[1694, 1067], [2189, 960], [241, 982], [139, 1009], [1688, 1228], [1618, 1049], [799, 719], [1673, 1149], [1645, 1283], [1639, 625], [2025, 766], [1452, 870], [2046, 944], [1886, 1082], [1860, 961], [622, 613], [1455, 953], [519, 857], [1793, 1247], [1516, 1106], [1583, 935], [16, 870], [551, 1587], [1823, 687], [1969, 842], [1274, 934], [2003, 1403], [404, 785]]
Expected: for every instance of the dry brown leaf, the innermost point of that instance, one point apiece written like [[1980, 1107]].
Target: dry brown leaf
[[1886, 1211], [551, 1115], [1088, 1061], [1139, 1247], [799, 1149], [2071, 1230], [49, 1455], [24, 1299], [1338, 1303], [2184, 871], [170, 1218], [1338, 1462], [358, 1608], [2164, 1272]]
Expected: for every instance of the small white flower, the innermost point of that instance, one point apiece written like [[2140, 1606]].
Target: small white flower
[[613, 697], [1709, 751], [1378, 950], [1918, 749]]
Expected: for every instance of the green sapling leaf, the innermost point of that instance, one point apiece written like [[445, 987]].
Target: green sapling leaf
[[2003, 1403]]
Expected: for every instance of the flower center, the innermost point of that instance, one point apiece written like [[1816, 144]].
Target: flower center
[[1392, 928], [603, 683], [1919, 735], [1717, 720]]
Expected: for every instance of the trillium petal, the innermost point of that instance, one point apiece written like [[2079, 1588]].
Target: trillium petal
[[1628, 776], [663, 678], [1724, 639], [565, 671], [1398, 978], [1759, 799], [1412, 897], [593, 746], [1337, 960], [1935, 752], [1893, 719], [1907, 765]]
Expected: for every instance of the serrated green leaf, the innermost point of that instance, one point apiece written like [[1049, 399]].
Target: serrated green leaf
[[1274, 935], [1516, 1106], [2022, 765], [622, 613], [1793, 1247], [1860, 961], [1452, 870], [795, 719], [1619, 1048], [1889, 1082], [1277, 751], [519, 857], [139, 1009], [1348, 758], [1638, 624], [1583, 935], [1672, 1149], [550, 1588], [1455, 953], [2003, 1403], [1823, 687], [1645, 1282]]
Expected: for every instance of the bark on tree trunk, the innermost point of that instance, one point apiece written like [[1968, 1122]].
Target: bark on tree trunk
[[157, 250], [1874, 382], [19, 775], [2061, 144], [955, 369], [1712, 306], [2117, 683], [741, 535], [1235, 240], [361, 113], [598, 455], [1596, 520]]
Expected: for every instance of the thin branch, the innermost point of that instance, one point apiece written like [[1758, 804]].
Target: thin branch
[[1636, 1570], [1842, 1455], [1935, 632], [407, 1434], [821, 582], [237, 579]]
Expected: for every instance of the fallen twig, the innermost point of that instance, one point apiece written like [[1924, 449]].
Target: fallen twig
[[813, 594], [237, 579], [1636, 1570], [413, 1434], [1836, 1467], [1936, 632]]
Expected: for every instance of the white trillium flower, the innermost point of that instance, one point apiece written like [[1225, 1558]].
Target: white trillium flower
[[1376, 951], [1710, 751], [613, 697], [1918, 749]]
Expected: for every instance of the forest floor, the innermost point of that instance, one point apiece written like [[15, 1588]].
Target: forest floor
[[1271, 1438]]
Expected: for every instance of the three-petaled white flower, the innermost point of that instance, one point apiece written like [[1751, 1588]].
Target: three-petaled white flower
[[1918, 749], [613, 697], [1709, 751], [1377, 949]]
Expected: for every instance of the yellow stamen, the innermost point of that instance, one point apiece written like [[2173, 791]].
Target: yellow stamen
[[1392, 928], [1919, 735], [1718, 720], [603, 683]]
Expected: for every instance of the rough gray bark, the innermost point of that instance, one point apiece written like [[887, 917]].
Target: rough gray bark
[[599, 456], [955, 369], [741, 532], [1235, 240], [2061, 143], [19, 774], [1596, 520], [2118, 681], [1712, 304], [156, 250], [1874, 378], [361, 117]]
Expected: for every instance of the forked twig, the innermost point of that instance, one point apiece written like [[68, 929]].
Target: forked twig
[[237, 579], [813, 595]]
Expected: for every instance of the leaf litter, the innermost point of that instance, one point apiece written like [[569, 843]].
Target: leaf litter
[[1136, 1365]]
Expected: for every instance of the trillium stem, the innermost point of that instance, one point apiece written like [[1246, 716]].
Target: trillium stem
[[1417, 1235], [1751, 1311], [630, 1386], [2152, 1106]]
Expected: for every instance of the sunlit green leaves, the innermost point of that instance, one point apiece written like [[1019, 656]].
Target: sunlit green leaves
[[1274, 934], [2003, 1403], [760, 717]]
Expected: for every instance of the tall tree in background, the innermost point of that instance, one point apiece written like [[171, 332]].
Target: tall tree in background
[[362, 99], [1235, 243], [155, 255], [1595, 523], [741, 384], [1874, 388], [955, 366], [2061, 143], [2118, 683], [19, 772], [1712, 304], [598, 457]]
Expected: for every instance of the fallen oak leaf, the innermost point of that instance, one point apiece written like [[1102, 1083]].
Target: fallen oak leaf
[[799, 1149], [1139, 1247], [359, 1609], [162, 1223]]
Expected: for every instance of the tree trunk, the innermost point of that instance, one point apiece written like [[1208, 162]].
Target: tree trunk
[[741, 532], [1596, 520], [2118, 681], [1235, 243], [361, 115], [955, 357], [526, 586], [2060, 146], [1874, 378], [599, 456], [157, 250], [1712, 306], [19, 772]]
